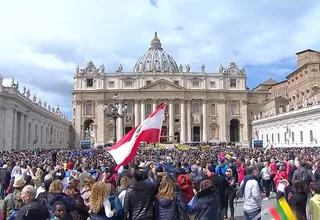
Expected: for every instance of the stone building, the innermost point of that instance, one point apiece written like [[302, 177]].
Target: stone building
[[28, 122], [290, 114], [201, 105]]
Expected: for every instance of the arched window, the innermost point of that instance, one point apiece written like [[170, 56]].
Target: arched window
[[176, 109], [213, 109], [89, 109], [129, 108], [196, 108], [149, 109], [234, 109]]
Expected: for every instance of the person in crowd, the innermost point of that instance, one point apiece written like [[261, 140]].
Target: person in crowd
[[13, 201], [83, 175], [123, 189], [221, 184], [139, 199], [250, 190], [100, 206], [33, 209], [56, 194], [230, 194], [273, 168], [205, 204], [299, 198], [317, 171], [168, 201], [281, 178], [241, 171], [222, 167], [5, 176], [314, 206], [86, 190], [59, 211], [186, 187], [265, 174], [73, 190], [42, 191], [124, 172]]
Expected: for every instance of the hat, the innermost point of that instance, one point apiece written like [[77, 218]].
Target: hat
[[212, 169], [5, 166], [142, 165], [19, 181], [194, 168], [159, 168]]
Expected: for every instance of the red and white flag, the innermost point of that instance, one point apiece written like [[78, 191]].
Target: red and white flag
[[149, 130]]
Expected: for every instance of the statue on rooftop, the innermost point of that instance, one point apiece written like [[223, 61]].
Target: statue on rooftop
[[28, 93], [1, 79], [180, 68], [34, 98], [221, 69], [187, 68], [24, 90], [203, 68]]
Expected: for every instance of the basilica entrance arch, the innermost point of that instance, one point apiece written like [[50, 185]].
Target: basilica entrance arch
[[177, 137], [88, 124], [234, 130]]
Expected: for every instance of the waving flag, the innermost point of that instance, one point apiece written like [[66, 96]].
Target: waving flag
[[282, 211], [148, 131], [266, 148]]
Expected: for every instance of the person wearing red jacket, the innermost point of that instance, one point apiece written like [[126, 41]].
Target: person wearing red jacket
[[273, 169], [241, 171], [281, 178], [185, 185]]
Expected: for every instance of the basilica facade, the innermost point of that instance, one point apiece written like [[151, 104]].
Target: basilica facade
[[202, 106]]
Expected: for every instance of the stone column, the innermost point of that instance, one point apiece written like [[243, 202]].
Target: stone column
[[189, 121], [15, 130], [100, 132], [95, 128], [241, 133], [154, 105], [183, 121], [136, 113], [204, 121], [171, 121], [244, 115], [22, 132], [120, 123], [8, 131], [81, 133], [222, 121], [79, 127], [143, 110]]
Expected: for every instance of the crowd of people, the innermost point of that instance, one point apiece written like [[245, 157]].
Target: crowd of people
[[157, 184]]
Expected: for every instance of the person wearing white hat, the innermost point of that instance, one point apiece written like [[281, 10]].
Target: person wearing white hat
[[13, 200]]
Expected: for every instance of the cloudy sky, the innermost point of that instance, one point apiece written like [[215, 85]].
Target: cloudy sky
[[41, 42]]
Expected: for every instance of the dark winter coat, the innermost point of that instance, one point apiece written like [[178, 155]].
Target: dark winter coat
[[166, 209], [206, 205], [33, 210], [139, 200]]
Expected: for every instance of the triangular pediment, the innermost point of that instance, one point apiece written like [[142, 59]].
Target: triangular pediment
[[162, 85]]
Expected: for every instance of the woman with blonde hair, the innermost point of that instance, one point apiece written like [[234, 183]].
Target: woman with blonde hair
[[100, 205], [167, 200]]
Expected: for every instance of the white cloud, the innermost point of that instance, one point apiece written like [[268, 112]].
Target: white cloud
[[42, 41]]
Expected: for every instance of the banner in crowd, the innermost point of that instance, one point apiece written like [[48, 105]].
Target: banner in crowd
[[149, 130]]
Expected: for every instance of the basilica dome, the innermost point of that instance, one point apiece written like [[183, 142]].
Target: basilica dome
[[156, 59]]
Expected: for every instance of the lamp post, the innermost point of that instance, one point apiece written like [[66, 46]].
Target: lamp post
[[113, 112]]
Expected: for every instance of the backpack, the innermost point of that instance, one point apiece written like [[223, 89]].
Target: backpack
[[14, 210], [301, 174], [116, 204]]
